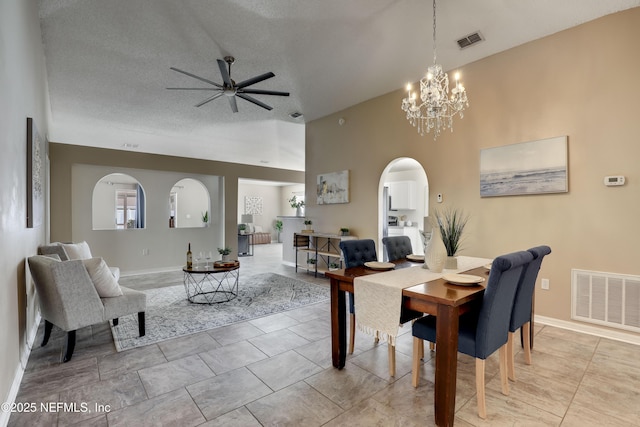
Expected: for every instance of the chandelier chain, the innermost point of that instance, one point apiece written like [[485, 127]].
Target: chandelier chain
[[434, 32]]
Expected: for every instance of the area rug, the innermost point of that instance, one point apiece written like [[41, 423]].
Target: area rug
[[170, 315]]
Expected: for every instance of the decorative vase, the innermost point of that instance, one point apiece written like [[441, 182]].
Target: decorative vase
[[225, 258], [436, 253], [299, 211], [451, 263]]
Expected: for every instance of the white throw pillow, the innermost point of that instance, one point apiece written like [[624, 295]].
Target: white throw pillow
[[106, 285], [77, 250], [257, 229]]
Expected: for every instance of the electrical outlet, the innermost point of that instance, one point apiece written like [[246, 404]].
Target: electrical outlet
[[544, 284], [439, 197]]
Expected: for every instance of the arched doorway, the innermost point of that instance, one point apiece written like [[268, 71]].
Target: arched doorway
[[403, 202]]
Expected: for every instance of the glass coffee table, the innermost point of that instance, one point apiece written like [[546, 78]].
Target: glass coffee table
[[212, 283]]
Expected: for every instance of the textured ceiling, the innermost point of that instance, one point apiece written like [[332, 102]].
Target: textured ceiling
[[108, 64]]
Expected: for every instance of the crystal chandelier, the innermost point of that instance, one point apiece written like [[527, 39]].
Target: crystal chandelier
[[437, 109]]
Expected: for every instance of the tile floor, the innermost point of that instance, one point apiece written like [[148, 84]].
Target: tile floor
[[277, 371]]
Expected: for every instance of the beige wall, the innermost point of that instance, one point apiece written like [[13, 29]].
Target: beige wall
[[581, 83], [71, 196], [271, 201], [22, 94]]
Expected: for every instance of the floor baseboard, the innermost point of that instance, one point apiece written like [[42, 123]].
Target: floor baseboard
[[609, 333]]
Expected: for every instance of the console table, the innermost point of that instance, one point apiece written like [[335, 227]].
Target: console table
[[212, 284], [318, 252]]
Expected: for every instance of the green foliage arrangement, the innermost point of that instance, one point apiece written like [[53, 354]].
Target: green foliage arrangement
[[224, 251], [451, 222], [295, 203]]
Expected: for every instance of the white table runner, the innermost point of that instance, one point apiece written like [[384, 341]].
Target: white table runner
[[378, 297]]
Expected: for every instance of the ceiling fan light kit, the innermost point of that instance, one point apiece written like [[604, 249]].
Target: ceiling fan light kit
[[230, 88]]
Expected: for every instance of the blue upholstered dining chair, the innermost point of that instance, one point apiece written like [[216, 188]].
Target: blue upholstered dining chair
[[397, 247], [356, 253], [523, 305], [484, 330]]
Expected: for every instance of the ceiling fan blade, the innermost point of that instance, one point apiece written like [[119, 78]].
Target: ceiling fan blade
[[196, 77], [255, 80], [211, 98], [233, 104], [264, 92], [224, 73], [193, 88], [253, 100]]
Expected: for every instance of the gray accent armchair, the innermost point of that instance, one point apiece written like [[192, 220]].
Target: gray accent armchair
[[68, 299]]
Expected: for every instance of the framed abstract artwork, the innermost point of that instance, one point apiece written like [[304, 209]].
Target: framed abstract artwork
[[253, 205], [35, 176], [333, 188], [534, 167]]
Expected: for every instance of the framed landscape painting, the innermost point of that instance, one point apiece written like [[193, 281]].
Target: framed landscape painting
[[333, 188], [533, 167]]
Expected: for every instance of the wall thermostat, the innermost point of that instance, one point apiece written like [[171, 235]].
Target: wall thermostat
[[611, 181]]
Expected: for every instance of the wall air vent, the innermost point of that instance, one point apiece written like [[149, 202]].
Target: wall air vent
[[467, 41], [607, 299], [295, 115]]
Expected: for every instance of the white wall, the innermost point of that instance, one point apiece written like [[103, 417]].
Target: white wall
[[22, 94], [103, 207], [156, 247], [193, 201]]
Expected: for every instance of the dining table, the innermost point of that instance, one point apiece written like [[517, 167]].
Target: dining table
[[435, 297]]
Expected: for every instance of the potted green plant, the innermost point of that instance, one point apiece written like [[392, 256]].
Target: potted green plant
[[278, 226], [225, 253], [298, 205], [311, 261], [344, 231], [242, 228], [205, 218], [307, 224], [451, 223]]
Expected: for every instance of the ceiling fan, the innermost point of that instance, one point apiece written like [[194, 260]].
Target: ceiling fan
[[230, 88]]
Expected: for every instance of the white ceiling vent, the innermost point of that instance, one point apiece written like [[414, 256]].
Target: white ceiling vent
[[467, 41]]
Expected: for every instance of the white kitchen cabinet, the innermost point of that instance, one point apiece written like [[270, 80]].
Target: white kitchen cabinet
[[403, 195]]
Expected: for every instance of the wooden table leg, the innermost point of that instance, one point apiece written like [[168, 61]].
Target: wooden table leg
[[446, 364], [338, 325]]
